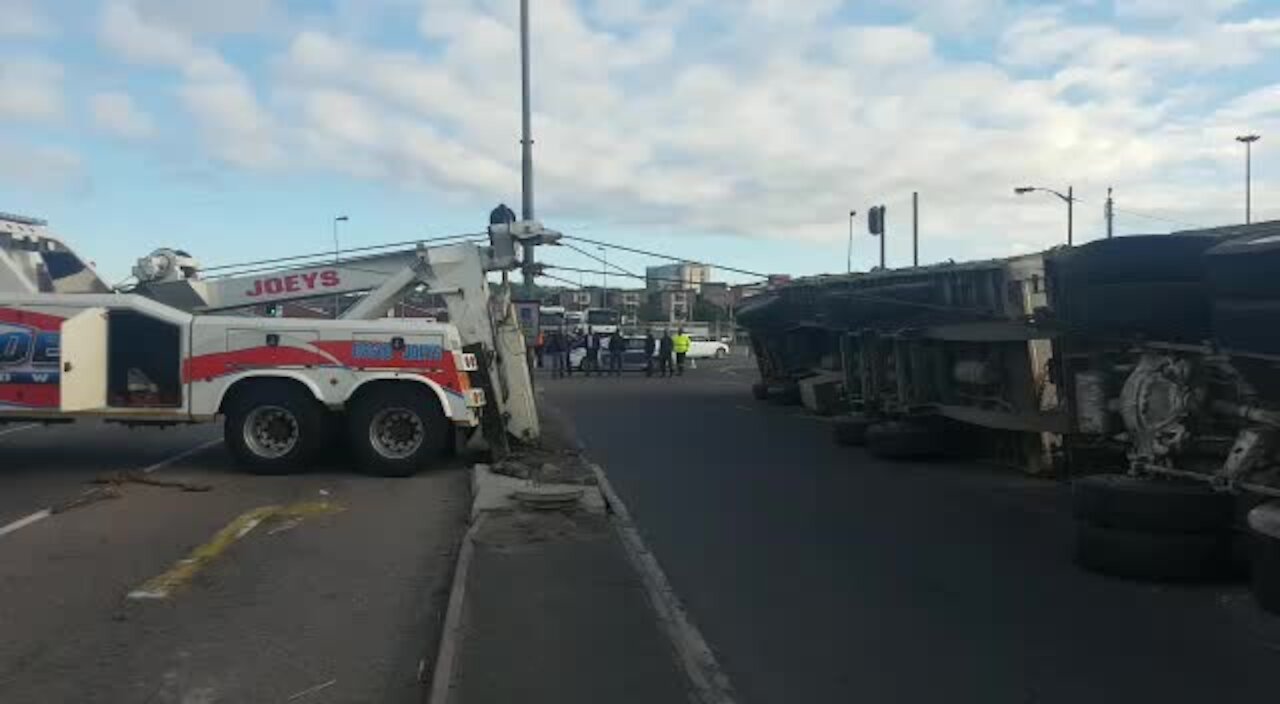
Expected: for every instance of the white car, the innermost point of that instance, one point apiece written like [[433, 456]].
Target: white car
[[707, 348]]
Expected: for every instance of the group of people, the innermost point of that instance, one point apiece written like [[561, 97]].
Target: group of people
[[666, 354]]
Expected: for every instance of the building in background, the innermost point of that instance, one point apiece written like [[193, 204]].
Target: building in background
[[716, 293], [684, 275], [676, 304], [575, 299], [627, 302]]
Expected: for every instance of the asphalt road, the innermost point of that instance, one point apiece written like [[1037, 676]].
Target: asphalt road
[[335, 597], [819, 574]]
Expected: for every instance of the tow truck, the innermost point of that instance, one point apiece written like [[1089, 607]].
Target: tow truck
[[179, 347]]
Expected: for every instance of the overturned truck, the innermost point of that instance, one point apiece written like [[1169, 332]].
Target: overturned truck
[[1146, 369]]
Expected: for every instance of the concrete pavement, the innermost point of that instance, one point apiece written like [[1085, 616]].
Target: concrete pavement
[[820, 574], [339, 604]]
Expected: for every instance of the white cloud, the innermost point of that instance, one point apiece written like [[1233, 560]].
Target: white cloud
[[45, 169], [30, 89], [117, 114], [213, 17], [763, 119], [218, 96], [20, 18]]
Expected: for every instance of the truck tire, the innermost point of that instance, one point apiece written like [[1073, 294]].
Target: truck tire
[[851, 430], [904, 440], [1245, 327], [1128, 503], [1138, 258], [1159, 310], [274, 427], [397, 429], [1245, 267], [1265, 571], [760, 391], [1149, 556], [788, 395]]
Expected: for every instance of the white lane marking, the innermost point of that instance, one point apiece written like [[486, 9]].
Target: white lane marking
[[180, 456], [46, 512], [696, 658], [25, 521], [19, 428]]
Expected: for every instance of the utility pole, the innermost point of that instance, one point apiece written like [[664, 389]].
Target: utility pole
[[337, 298], [848, 257], [915, 228], [1248, 140], [1071, 207], [526, 142], [1110, 213], [604, 297]]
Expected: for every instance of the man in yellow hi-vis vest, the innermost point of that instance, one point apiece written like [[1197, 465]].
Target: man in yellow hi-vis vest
[[680, 345]]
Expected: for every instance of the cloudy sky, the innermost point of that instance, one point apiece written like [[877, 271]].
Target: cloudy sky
[[739, 132]]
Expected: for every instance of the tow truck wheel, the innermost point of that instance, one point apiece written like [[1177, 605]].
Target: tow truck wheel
[[273, 428], [396, 430]]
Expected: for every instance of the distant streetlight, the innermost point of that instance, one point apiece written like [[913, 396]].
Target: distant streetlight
[[848, 258], [1248, 140], [337, 298], [1069, 199]]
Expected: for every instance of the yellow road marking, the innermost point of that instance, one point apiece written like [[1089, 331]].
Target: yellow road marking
[[163, 585]]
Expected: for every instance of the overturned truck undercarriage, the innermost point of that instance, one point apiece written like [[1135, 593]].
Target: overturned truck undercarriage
[[1134, 365]]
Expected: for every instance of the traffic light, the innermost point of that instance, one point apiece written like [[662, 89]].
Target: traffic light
[[875, 220]]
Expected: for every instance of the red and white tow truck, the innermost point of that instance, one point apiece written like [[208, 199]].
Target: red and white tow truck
[[178, 348]]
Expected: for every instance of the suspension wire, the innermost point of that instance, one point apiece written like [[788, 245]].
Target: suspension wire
[[658, 255], [561, 280], [330, 253], [587, 254]]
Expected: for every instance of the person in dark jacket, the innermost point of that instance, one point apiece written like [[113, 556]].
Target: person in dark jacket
[[555, 347], [650, 349], [665, 347], [591, 362], [617, 345]]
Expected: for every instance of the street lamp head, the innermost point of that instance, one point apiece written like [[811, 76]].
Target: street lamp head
[[852, 213], [341, 218], [1021, 190], [1248, 138]]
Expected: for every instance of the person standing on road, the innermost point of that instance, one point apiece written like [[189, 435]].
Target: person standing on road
[[650, 349], [572, 342], [664, 353], [592, 361], [617, 343], [680, 344], [555, 346]]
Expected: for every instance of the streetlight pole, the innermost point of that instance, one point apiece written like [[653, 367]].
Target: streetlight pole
[[1248, 140], [526, 144], [337, 298], [1069, 199], [848, 258]]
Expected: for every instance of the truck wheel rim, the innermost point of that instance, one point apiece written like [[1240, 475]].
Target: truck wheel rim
[[271, 431], [396, 433]]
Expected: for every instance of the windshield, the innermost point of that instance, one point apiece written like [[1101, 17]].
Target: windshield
[[552, 320], [602, 317]]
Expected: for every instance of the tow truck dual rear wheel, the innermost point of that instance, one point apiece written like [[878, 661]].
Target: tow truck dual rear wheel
[[273, 427], [397, 429]]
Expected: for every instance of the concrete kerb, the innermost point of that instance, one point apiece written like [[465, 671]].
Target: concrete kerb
[[710, 684], [490, 492]]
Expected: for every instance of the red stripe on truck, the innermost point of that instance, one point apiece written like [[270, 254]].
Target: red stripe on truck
[[39, 321]]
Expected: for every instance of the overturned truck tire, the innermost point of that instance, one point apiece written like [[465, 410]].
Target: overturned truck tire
[[905, 440], [851, 431], [1129, 503], [1151, 556]]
